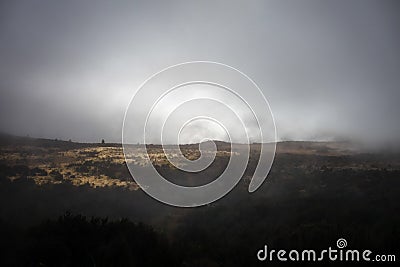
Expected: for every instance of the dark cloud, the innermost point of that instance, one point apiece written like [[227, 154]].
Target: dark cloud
[[329, 69]]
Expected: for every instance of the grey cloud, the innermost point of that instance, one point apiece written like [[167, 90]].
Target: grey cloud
[[329, 69]]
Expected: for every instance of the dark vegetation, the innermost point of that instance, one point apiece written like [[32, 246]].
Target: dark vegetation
[[307, 202], [75, 240]]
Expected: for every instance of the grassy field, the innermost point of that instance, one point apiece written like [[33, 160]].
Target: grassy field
[[61, 202]]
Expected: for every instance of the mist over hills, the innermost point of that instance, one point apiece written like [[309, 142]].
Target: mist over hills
[[10, 139]]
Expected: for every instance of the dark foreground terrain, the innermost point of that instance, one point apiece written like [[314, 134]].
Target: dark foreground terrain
[[72, 204]]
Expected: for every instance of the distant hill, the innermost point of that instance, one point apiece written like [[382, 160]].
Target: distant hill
[[291, 147], [12, 140]]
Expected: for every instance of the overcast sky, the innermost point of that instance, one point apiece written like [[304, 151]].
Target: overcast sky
[[330, 69]]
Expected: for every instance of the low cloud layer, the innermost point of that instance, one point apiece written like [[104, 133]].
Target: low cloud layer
[[330, 70]]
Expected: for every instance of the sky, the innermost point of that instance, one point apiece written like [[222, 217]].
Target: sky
[[329, 69]]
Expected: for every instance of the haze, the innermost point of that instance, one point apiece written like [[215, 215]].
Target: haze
[[330, 69]]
